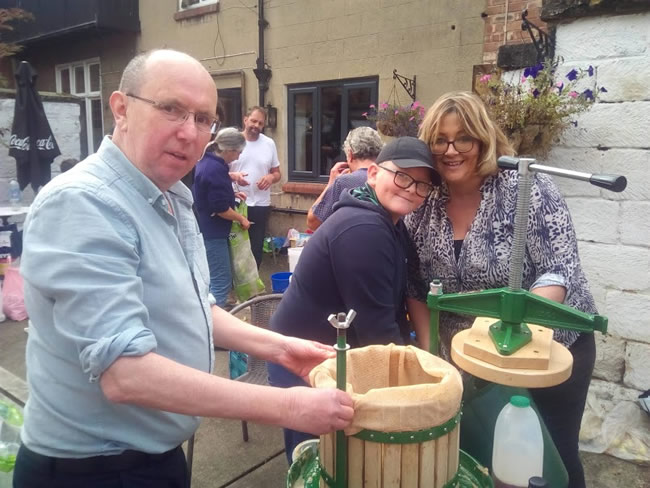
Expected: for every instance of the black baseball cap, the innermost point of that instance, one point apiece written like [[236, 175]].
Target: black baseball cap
[[409, 152]]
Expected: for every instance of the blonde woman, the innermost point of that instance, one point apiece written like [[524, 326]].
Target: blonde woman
[[463, 234]]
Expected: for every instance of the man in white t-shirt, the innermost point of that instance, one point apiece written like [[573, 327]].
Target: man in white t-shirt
[[259, 161]]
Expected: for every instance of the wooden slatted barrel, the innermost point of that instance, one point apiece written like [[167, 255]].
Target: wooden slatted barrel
[[406, 427]]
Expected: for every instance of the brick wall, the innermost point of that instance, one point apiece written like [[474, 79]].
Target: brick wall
[[503, 24]]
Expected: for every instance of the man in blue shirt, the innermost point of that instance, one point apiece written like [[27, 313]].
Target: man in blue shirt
[[361, 147], [120, 348]]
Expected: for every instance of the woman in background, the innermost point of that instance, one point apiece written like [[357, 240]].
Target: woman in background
[[214, 199], [464, 232]]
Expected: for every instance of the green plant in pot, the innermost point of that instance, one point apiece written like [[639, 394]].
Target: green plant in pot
[[397, 120], [534, 111]]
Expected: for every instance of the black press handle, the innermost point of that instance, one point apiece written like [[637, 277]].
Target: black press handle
[[616, 183], [508, 162]]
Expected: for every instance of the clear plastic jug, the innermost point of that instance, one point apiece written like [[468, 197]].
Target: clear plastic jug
[[518, 449]]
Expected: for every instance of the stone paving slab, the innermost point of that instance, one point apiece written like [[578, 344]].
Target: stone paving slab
[[222, 459]]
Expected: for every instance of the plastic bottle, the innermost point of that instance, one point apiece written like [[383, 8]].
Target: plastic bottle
[[14, 193], [518, 449], [537, 482], [10, 421]]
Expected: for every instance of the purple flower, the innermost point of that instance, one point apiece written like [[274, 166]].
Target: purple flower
[[588, 94], [603, 89], [590, 70], [535, 93], [534, 70], [526, 73], [574, 123], [572, 75], [560, 86]]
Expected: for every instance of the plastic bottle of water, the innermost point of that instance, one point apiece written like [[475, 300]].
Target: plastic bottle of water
[[14, 193], [518, 450], [10, 421]]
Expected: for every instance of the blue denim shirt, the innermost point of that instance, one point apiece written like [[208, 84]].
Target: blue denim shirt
[[110, 270]]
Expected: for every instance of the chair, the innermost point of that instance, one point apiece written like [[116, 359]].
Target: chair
[[259, 311]]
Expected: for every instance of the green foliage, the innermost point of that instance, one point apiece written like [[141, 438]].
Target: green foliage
[[7, 16], [540, 103]]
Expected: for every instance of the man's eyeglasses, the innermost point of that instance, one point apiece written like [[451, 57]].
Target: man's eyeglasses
[[461, 145], [175, 113], [404, 181]]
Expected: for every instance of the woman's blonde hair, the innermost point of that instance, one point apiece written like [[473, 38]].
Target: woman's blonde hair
[[476, 122]]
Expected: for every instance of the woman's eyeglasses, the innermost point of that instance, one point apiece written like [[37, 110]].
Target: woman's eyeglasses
[[404, 181], [461, 145]]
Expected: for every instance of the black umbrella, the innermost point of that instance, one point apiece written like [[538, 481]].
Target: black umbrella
[[32, 143]]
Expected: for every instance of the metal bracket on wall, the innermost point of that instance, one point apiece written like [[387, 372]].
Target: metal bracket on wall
[[407, 83], [544, 43]]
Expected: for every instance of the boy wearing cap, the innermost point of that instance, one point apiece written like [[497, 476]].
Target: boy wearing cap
[[358, 259]]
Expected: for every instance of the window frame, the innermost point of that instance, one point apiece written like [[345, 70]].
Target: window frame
[[199, 3], [315, 88], [88, 95]]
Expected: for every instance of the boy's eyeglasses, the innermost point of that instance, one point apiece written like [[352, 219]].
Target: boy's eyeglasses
[[404, 181]]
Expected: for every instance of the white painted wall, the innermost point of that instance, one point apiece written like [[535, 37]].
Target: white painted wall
[[64, 118], [614, 229]]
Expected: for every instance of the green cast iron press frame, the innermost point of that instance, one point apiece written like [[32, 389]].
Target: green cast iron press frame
[[513, 306]]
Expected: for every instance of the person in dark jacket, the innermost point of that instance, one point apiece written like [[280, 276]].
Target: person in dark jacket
[[214, 199], [358, 260]]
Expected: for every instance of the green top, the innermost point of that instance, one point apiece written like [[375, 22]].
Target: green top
[[520, 401]]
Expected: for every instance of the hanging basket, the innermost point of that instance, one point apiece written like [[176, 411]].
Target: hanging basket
[[533, 140], [386, 128]]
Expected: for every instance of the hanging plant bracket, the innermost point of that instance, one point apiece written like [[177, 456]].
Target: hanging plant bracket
[[543, 42], [407, 83]]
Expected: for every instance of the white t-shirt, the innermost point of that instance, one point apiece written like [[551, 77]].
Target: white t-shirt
[[257, 159]]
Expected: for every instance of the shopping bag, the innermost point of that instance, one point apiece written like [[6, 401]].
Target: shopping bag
[[245, 277], [237, 364], [13, 296]]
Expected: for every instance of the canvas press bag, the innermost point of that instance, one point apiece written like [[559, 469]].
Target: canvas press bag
[[395, 388], [405, 430]]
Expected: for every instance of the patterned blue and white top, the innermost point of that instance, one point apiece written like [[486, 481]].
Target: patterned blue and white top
[[551, 249]]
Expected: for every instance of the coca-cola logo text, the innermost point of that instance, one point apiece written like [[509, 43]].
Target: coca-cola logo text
[[23, 144]]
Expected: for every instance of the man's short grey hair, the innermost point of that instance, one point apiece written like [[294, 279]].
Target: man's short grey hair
[[132, 76], [364, 143], [229, 139]]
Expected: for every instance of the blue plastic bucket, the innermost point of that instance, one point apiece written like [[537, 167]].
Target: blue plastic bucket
[[280, 281]]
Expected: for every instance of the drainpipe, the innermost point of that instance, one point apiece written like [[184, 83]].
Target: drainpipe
[[262, 73]]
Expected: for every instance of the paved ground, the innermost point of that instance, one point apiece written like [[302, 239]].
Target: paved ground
[[222, 459]]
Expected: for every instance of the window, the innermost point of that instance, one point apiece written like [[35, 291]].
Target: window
[[320, 117], [230, 101], [83, 79], [185, 4]]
